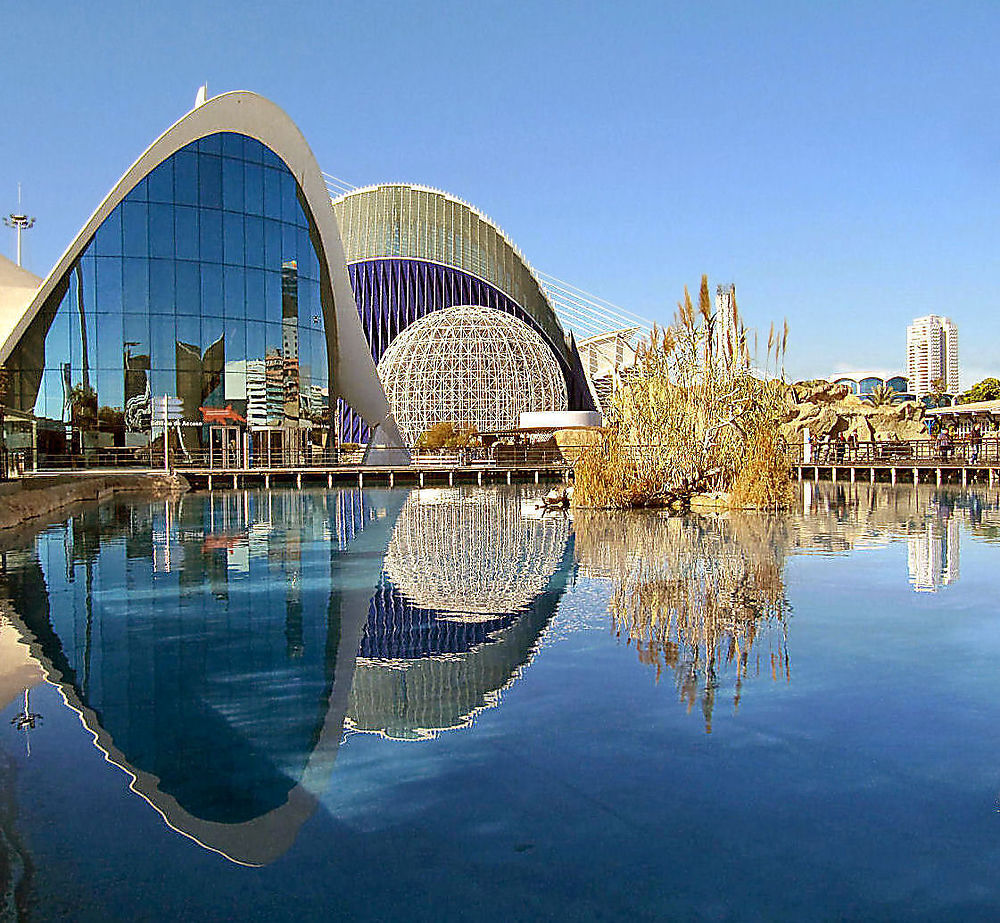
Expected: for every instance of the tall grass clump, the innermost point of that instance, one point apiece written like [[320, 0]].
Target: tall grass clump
[[692, 414]]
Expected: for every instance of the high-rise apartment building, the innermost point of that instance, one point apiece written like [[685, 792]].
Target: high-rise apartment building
[[932, 353]]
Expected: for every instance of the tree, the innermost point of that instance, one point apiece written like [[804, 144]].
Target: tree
[[881, 396], [986, 390], [937, 392]]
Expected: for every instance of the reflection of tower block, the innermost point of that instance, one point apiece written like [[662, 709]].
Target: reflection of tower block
[[274, 385]]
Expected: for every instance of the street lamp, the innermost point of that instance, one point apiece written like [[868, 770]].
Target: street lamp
[[20, 222]]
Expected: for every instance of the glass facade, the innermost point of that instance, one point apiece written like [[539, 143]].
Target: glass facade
[[202, 284]]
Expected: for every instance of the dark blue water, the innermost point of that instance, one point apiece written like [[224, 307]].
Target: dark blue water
[[436, 705]]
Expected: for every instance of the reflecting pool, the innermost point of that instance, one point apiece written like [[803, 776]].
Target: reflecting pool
[[441, 703]]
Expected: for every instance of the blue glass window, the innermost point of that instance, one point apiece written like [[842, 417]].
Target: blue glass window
[[180, 291]]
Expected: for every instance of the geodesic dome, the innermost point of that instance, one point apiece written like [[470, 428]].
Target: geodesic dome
[[469, 365]]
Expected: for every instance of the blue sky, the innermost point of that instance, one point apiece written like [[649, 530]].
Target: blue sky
[[838, 161]]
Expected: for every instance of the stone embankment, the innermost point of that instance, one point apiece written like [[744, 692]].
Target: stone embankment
[[26, 503]]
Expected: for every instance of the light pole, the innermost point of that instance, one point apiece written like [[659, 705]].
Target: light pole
[[20, 222]]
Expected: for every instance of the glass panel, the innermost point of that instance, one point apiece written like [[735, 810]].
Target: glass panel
[[189, 331], [232, 145], [108, 239], [211, 333], [109, 285], [272, 244], [136, 285], [255, 340], [210, 227], [161, 231], [135, 218], [136, 336], [108, 341], [233, 237], [210, 182], [253, 150], [212, 144], [272, 297], [111, 395], [188, 277], [161, 183], [272, 194], [163, 334], [232, 185], [161, 287], [255, 295], [254, 241], [186, 232], [235, 293], [186, 178], [211, 290], [253, 181]]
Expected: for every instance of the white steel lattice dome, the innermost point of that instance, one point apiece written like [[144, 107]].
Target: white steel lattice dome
[[469, 365]]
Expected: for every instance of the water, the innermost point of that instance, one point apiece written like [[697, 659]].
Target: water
[[436, 704]]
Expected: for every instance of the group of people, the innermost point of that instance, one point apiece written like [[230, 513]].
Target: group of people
[[838, 448]]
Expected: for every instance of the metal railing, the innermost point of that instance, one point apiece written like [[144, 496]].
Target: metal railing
[[959, 451]]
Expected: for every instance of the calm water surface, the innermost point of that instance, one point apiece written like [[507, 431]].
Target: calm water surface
[[437, 704]]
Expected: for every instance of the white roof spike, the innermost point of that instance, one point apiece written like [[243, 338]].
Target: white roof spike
[[202, 97]]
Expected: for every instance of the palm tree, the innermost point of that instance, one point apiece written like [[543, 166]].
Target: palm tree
[[880, 396]]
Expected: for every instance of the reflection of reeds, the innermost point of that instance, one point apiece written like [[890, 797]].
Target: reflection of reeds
[[701, 597]]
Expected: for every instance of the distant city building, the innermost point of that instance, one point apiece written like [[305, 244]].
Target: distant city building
[[727, 325], [862, 383], [932, 354]]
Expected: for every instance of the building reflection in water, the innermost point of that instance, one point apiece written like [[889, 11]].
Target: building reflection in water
[[469, 584], [841, 517], [702, 597], [208, 644]]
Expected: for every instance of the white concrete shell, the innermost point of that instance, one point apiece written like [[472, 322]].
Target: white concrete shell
[[352, 370]]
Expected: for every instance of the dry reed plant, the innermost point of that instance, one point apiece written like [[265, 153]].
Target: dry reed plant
[[690, 415]]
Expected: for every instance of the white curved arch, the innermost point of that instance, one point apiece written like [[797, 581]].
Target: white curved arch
[[352, 370]]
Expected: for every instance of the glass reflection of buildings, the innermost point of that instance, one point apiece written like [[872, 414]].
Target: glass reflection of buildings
[[202, 283], [468, 587], [209, 644]]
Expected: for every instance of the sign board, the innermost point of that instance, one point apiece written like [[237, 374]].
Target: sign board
[[170, 408]]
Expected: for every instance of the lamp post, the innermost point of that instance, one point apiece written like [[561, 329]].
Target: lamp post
[[20, 222]]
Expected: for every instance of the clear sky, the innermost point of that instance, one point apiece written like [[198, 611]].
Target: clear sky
[[838, 161]]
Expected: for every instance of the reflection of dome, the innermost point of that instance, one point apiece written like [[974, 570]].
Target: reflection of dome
[[469, 365], [471, 553]]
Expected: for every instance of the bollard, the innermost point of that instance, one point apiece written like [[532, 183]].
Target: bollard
[[873, 475], [536, 477], [421, 479], [451, 478], [964, 480], [267, 482], [361, 479], [508, 476], [854, 474], [210, 482], [816, 473], [235, 483], [800, 474], [392, 479], [892, 474], [833, 474], [479, 477], [938, 471], [329, 480]]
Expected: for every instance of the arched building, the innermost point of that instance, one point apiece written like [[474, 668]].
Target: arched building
[[412, 250], [213, 272]]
